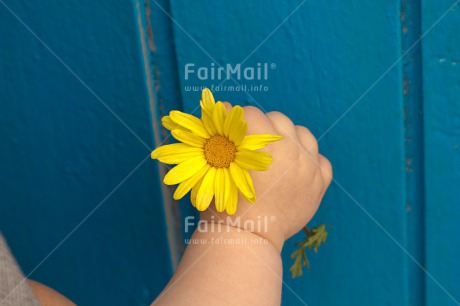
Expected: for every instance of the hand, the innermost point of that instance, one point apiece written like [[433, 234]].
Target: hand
[[288, 194]]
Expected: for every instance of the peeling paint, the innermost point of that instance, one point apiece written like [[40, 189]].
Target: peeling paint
[[406, 84], [150, 36]]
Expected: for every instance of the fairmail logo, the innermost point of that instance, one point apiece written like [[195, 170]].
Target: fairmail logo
[[228, 72]]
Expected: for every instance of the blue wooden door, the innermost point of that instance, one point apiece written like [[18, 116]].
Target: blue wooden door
[[83, 85]]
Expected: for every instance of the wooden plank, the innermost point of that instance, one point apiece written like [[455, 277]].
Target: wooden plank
[[413, 144], [64, 152], [441, 79], [326, 57], [165, 74]]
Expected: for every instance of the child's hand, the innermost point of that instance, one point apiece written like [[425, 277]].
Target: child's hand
[[289, 193], [216, 269]]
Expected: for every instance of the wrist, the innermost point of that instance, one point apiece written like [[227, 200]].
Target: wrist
[[260, 227]]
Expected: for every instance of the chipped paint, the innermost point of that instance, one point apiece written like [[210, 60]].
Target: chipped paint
[[413, 144]]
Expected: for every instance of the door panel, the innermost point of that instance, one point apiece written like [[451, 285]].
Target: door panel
[[81, 200], [330, 60], [441, 107]]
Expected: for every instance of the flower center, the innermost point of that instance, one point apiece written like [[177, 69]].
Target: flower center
[[219, 151]]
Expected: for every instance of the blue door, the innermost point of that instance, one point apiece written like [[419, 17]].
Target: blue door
[[84, 84]]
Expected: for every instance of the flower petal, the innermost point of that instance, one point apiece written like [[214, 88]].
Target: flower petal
[[253, 160], [171, 149], [208, 123], [184, 170], [207, 101], [206, 191], [235, 126], [194, 192], [255, 142], [188, 138], [232, 202], [222, 188], [249, 180], [188, 184], [170, 125], [235, 116], [178, 158], [238, 132], [189, 122], [240, 180], [218, 117]]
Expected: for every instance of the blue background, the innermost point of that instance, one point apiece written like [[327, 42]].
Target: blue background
[[83, 85]]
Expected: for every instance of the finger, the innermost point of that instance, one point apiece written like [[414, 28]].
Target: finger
[[258, 122], [326, 170], [307, 139], [227, 105], [283, 125]]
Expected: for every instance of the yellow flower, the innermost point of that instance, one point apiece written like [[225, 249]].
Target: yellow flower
[[214, 155]]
